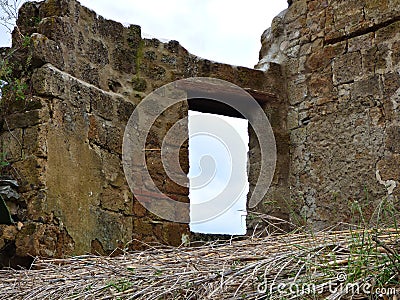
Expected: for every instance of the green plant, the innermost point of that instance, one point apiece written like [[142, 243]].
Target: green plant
[[139, 57], [12, 86], [26, 41], [3, 160], [120, 286], [385, 214]]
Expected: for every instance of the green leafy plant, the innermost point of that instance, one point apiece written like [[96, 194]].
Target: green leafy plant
[[12, 87], [120, 286], [26, 41], [3, 160]]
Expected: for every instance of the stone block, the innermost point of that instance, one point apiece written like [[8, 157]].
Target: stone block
[[361, 42], [89, 73], [97, 131], [34, 141], [30, 171], [112, 169], [36, 206], [124, 109], [57, 28], [322, 58], [113, 230], [366, 88], [368, 60], [171, 187], [28, 16], [78, 94], [138, 209], [297, 90], [97, 53], [52, 8], [27, 119], [387, 33], [298, 136], [391, 85], [46, 81], [296, 10], [123, 60], [393, 139], [292, 119], [320, 85], [173, 233], [396, 54], [143, 226], [45, 51], [389, 167], [114, 139], [316, 23], [103, 105], [347, 68], [11, 143], [35, 239], [382, 59], [349, 15], [112, 199]]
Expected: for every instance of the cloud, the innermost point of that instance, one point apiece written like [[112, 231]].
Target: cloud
[[220, 30], [211, 137]]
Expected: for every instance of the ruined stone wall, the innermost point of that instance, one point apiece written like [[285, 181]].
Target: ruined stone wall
[[64, 140], [342, 64], [331, 68]]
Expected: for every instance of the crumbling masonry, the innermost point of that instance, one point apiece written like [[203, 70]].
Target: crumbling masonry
[[330, 85]]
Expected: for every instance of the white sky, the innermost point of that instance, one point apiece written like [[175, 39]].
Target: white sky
[[213, 149], [226, 31]]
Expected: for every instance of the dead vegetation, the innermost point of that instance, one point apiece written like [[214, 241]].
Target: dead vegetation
[[354, 264]]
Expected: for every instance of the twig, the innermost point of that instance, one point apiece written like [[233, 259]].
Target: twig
[[393, 254]]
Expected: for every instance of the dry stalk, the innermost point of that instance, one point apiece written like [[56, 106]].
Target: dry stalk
[[231, 270]]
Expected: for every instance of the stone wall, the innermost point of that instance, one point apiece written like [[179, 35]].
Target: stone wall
[[86, 75], [330, 68], [342, 63]]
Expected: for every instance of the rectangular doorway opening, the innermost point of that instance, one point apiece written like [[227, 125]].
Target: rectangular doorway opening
[[218, 160]]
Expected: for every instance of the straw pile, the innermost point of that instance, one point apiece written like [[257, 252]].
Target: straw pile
[[291, 266]]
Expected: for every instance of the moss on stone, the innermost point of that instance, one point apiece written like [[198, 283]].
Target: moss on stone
[[139, 57], [50, 8], [139, 84]]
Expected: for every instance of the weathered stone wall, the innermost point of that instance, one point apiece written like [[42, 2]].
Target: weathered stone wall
[[64, 141], [331, 69], [342, 63]]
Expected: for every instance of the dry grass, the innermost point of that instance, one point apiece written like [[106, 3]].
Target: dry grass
[[247, 269]]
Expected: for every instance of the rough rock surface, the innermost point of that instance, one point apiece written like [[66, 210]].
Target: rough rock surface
[[341, 61], [86, 75], [331, 68]]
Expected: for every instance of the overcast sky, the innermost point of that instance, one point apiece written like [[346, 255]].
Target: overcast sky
[[220, 30], [218, 164]]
